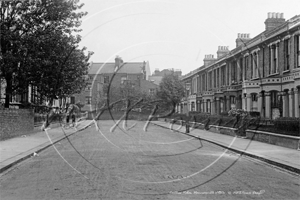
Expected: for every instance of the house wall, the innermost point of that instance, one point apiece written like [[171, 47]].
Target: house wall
[[94, 89], [271, 94]]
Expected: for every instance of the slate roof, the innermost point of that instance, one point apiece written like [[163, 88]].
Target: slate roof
[[107, 68]]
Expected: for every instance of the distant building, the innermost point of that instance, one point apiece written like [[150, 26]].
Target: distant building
[[100, 74], [30, 96], [260, 74], [157, 75]]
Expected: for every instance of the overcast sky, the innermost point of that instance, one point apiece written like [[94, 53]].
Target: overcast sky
[[173, 33]]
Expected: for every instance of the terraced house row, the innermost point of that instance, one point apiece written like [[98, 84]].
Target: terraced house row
[[261, 74]]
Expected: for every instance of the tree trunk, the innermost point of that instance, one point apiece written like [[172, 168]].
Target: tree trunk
[[8, 91]]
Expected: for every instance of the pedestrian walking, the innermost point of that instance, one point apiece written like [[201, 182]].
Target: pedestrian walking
[[71, 111]]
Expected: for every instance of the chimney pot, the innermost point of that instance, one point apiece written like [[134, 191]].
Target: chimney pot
[[277, 19], [269, 15]]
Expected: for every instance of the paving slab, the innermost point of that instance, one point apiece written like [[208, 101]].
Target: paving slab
[[15, 150], [272, 154]]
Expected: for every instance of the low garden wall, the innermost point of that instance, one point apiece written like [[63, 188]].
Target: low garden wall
[[292, 142], [223, 130], [15, 122], [287, 141]]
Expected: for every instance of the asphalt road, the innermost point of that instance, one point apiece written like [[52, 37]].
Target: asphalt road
[[133, 164]]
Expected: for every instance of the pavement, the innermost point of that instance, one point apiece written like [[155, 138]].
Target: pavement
[[278, 156], [16, 150]]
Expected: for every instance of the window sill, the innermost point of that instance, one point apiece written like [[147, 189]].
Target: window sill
[[254, 79], [273, 74], [296, 69], [286, 71]]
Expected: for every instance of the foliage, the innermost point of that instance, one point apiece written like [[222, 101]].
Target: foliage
[[283, 125], [170, 92], [254, 113], [287, 123], [237, 112], [126, 93], [224, 113], [201, 117], [39, 47]]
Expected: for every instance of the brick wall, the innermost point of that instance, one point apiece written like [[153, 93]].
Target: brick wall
[[15, 122]]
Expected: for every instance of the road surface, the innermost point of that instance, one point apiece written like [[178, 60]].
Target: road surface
[[133, 164]]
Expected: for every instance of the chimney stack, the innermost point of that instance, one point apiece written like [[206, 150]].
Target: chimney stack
[[222, 50], [209, 59], [274, 20], [242, 38], [118, 62]]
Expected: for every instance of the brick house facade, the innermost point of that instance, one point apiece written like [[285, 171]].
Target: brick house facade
[[116, 74], [261, 74]]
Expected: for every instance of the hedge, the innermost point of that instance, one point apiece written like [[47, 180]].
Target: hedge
[[284, 125], [287, 123]]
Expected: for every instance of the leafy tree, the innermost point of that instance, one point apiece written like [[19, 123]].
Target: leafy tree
[[122, 94], [39, 47], [170, 92]]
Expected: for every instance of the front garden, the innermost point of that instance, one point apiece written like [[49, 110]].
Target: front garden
[[242, 120]]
